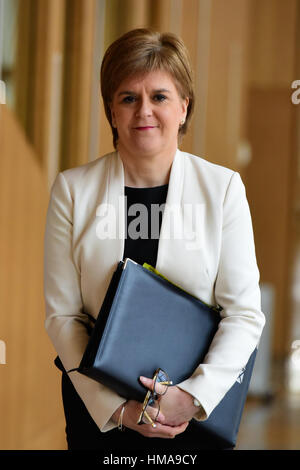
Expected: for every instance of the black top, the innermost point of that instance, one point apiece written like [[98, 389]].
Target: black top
[[143, 217]]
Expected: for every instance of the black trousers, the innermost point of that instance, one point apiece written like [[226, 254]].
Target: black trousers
[[82, 433]]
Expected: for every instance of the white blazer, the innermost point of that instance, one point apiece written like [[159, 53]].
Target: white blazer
[[219, 268]]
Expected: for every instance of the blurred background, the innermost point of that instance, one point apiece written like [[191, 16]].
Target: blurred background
[[246, 56]]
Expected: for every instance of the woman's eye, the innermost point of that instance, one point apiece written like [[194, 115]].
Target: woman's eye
[[160, 97], [129, 99]]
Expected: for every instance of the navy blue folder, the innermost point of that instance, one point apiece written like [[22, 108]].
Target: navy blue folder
[[147, 322]]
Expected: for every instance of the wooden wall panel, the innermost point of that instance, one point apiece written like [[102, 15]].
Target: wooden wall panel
[[269, 189], [273, 38], [271, 178], [30, 404], [78, 77], [226, 80], [38, 75], [189, 33]]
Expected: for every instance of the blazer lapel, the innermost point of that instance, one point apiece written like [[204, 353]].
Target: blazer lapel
[[171, 257], [180, 253], [116, 200]]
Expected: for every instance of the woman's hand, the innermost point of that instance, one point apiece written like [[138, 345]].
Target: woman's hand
[[130, 417], [176, 405]]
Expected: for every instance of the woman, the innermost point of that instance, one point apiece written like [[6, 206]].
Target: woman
[[148, 97]]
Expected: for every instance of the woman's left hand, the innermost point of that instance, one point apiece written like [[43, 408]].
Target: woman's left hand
[[176, 405]]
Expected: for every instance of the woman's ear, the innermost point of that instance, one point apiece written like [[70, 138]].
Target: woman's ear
[[185, 103]]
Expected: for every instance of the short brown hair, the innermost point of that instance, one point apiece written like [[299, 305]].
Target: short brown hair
[[142, 50]]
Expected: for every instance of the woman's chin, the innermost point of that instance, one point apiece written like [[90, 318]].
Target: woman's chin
[[147, 149]]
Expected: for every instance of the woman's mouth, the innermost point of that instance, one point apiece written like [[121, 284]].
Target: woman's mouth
[[144, 128]]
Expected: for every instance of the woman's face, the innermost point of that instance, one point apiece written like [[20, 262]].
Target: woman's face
[[147, 111]]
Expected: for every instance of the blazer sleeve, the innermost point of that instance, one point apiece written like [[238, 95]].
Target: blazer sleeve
[[65, 318], [237, 291]]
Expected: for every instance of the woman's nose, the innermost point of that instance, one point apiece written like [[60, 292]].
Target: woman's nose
[[144, 108]]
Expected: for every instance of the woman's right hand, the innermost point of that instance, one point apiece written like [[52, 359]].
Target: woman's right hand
[[130, 416]]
